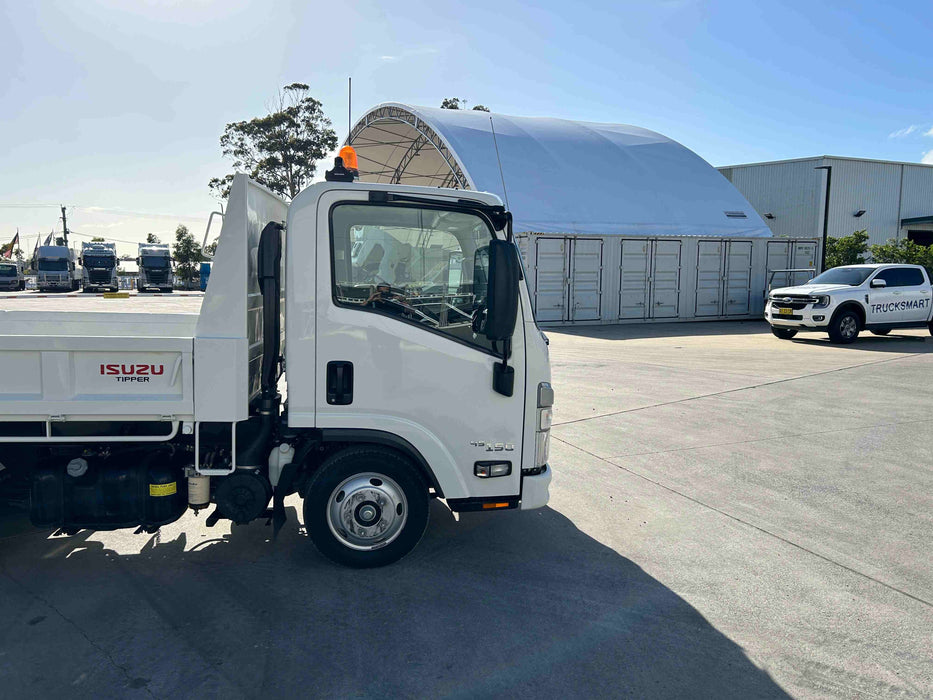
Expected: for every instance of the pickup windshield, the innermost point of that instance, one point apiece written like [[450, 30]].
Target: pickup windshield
[[852, 276], [56, 265], [155, 263], [7, 270], [99, 261]]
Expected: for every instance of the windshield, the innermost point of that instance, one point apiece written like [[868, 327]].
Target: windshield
[[56, 265], [852, 276], [154, 262], [7, 270], [99, 261]]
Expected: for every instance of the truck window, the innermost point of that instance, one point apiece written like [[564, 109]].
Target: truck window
[[424, 266], [901, 277], [7, 271], [852, 276], [57, 265], [99, 261]]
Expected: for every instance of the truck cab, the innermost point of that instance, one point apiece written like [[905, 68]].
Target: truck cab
[[11, 276], [99, 264], [846, 300], [155, 268], [56, 270], [413, 371]]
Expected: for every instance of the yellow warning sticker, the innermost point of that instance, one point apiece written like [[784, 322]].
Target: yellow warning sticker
[[116, 295], [163, 489]]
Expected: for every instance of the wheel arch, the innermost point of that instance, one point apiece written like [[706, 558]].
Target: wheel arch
[[361, 436], [852, 306]]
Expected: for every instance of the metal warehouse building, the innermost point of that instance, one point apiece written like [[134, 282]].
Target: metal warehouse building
[[887, 199], [616, 223]]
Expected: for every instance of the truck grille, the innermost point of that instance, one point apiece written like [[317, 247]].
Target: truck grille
[[99, 276], [793, 301], [157, 275]]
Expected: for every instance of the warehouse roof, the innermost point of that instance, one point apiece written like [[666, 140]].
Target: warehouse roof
[[556, 175]]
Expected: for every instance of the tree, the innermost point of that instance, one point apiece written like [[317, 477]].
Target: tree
[[460, 103], [903, 250], [97, 239], [187, 254], [152, 238], [279, 150], [848, 250]]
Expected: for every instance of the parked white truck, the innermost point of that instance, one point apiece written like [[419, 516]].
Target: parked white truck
[[11, 276], [845, 300], [56, 270], [155, 268], [99, 263], [398, 390]]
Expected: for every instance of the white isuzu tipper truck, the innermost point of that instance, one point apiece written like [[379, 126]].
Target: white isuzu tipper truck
[[11, 276], [99, 262], [155, 267], [56, 270], [845, 300], [426, 377]]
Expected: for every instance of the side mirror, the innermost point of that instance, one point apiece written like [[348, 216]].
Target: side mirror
[[878, 283], [502, 291]]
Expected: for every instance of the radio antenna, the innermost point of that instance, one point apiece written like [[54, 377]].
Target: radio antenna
[[495, 141], [349, 108]]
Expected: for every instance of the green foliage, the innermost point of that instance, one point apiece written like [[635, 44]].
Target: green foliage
[[97, 239], [152, 238], [460, 103], [187, 254], [279, 150], [848, 250], [902, 250]]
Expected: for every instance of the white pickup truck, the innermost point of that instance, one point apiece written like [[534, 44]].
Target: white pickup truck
[[845, 300], [424, 378]]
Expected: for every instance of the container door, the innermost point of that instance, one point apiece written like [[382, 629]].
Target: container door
[[665, 279], [551, 284], [779, 258], [633, 281], [804, 255], [709, 278], [738, 278], [586, 278]]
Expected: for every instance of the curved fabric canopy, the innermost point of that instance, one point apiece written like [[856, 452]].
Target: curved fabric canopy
[[557, 176]]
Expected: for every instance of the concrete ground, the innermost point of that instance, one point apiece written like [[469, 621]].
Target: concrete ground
[[731, 516]]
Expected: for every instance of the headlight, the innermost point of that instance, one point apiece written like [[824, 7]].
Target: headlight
[[821, 302], [542, 445], [545, 416]]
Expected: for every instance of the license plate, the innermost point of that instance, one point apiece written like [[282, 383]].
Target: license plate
[[785, 312]]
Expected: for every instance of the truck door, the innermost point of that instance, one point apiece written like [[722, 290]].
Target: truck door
[[395, 348], [915, 293], [883, 302]]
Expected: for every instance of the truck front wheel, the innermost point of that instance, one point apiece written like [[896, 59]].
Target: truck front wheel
[[366, 507], [783, 333], [844, 327]]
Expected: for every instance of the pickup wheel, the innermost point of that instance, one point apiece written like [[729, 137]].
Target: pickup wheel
[[366, 507], [844, 327], [783, 333]]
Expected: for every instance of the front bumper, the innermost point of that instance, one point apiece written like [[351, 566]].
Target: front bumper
[[535, 489], [799, 319], [10, 285]]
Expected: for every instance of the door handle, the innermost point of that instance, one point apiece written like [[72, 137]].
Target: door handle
[[339, 383]]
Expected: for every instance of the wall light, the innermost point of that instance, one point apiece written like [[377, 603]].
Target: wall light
[[769, 215], [858, 213]]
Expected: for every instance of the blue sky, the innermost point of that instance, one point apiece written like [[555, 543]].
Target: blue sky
[[115, 108]]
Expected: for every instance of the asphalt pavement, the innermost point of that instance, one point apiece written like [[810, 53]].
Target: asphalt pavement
[[731, 515]]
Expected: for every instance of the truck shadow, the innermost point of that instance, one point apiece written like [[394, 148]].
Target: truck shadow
[[517, 604], [638, 331], [893, 343]]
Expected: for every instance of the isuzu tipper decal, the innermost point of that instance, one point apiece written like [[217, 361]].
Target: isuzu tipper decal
[[132, 373], [900, 306]]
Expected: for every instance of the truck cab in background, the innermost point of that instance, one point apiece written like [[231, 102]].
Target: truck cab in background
[[99, 264], [56, 270], [155, 268], [11, 276]]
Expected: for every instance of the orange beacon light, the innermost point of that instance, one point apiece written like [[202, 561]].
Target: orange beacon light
[[349, 158]]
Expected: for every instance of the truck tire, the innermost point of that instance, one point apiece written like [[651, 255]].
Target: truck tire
[[22, 286], [881, 331], [387, 491], [844, 327], [783, 333]]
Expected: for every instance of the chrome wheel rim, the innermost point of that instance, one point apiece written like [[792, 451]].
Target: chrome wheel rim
[[367, 511], [848, 328]]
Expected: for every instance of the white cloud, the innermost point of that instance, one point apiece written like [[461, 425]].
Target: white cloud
[[388, 59], [927, 158], [906, 131], [929, 133]]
